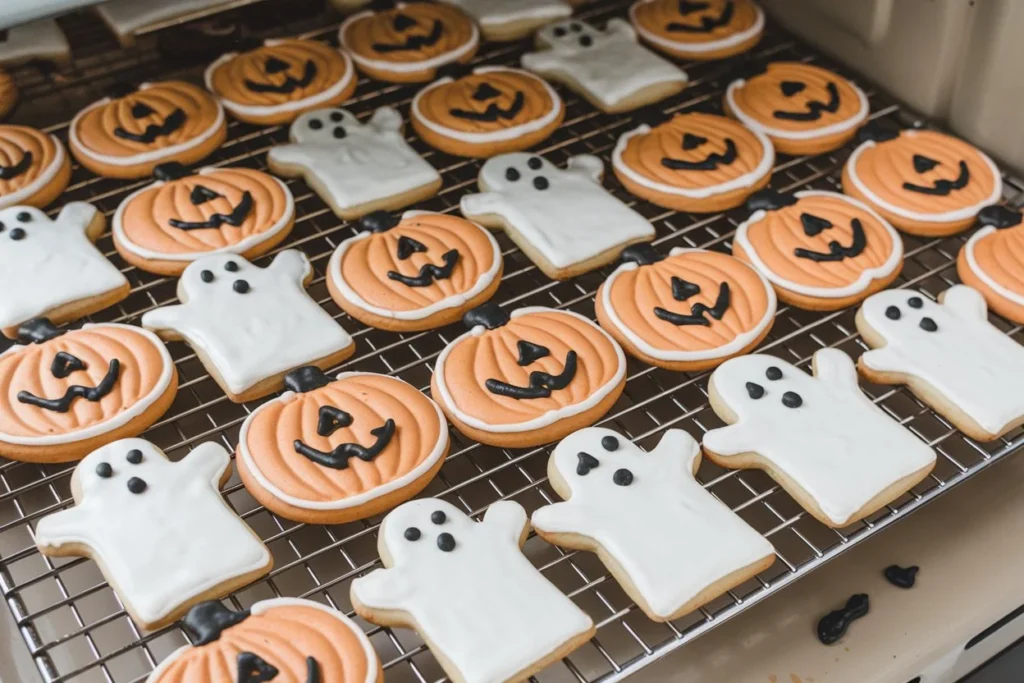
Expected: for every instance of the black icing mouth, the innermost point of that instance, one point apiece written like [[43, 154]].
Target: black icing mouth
[[943, 188], [836, 251], [290, 83], [338, 458], [683, 290], [92, 394], [709, 163], [174, 121], [707, 24], [20, 168], [493, 112], [814, 108], [429, 273], [414, 43], [541, 383], [234, 219]]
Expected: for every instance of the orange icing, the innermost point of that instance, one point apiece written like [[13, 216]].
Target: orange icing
[[370, 400], [379, 28], [761, 96], [436, 103], [147, 215], [1000, 254], [655, 17], [15, 141], [28, 369], [8, 91]]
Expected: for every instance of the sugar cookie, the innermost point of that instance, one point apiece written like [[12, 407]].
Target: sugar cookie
[[126, 18], [40, 39], [992, 261], [714, 29], [34, 168], [503, 20], [8, 93]]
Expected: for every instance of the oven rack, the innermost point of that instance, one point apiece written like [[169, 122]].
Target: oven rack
[[72, 623]]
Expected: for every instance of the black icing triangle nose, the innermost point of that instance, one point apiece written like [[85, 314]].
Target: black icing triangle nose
[[790, 88], [485, 91], [403, 22], [274, 65], [923, 164], [691, 141]]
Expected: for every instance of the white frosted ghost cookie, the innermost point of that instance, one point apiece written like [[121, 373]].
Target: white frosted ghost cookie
[[127, 17], [670, 543], [51, 268], [563, 219], [608, 67], [355, 167], [41, 39], [837, 453], [949, 354], [512, 19], [160, 531], [440, 579], [251, 325]]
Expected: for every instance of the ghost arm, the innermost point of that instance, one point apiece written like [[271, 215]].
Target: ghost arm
[[386, 120], [293, 264], [620, 28], [543, 60], [167, 321], [77, 216], [568, 517], [382, 589], [207, 462], [834, 366], [506, 519], [587, 166], [678, 447], [885, 359], [483, 204], [70, 526], [734, 439], [294, 154], [966, 302]]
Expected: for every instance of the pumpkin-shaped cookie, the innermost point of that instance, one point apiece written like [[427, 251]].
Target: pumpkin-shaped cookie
[[992, 261], [803, 108], [181, 217], [34, 168], [528, 378], [926, 183], [409, 42], [280, 80], [492, 111], [822, 250], [417, 273], [8, 93], [694, 162], [713, 29], [64, 394], [688, 311], [281, 639], [128, 136], [329, 452]]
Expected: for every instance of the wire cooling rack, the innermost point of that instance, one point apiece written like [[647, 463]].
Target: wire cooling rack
[[71, 621]]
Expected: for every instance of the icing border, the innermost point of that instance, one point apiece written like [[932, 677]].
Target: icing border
[[756, 28], [972, 263], [44, 179]]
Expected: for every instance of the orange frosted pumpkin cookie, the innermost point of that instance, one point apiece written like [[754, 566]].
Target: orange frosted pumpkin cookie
[[714, 29], [329, 452], [992, 261], [65, 393], [490, 111], [408, 43], [181, 217], [688, 311], [924, 182], [694, 162], [8, 93], [803, 108], [528, 378], [128, 136], [822, 250], [415, 273], [34, 168], [280, 80]]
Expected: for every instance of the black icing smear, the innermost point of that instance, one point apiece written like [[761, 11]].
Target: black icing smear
[[493, 112], [429, 272], [205, 622], [643, 254], [901, 577], [997, 216], [64, 364], [530, 352], [234, 219], [834, 625], [710, 163], [541, 383], [38, 331], [836, 251], [407, 246], [304, 379], [814, 225], [490, 315], [174, 121], [769, 200], [876, 132], [707, 24], [290, 83], [331, 419], [170, 170], [585, 462], [12, 172], [92, 394], [943, 187], [814, 108], [697, 311], [412, 42], [338, 458], [254, 669], [378, 221]]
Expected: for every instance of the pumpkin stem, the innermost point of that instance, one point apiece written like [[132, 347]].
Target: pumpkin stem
[[38, 331], [306, 379], [1000, 217], [490, 315], [378, 221], [769, 200], [643, 254], [170, 170], [205, 622], [876, 132]]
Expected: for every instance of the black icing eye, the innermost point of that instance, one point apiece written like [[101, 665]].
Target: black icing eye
[[17, 234], [915, 302], [136, 485], [923, 164], [535, 163], [755, 391], [446, 542], [339, 133], [791, 399], [541, 183], [790, 88], [412, 534], [438, 517], [610, 443], [773, 373], [206, 276], [141, 110], [104, 470], [622, 477], [512, 175], [586, 41], [485, 91], [231, 267], [64, 364], [1, 227], [893, 313], [928, 325], [240, 286], [584, 463], [24, 217], [134, 456], [337, 116], [559, 32], [403, 22], [274, 65], [316, 124], [575, 28]]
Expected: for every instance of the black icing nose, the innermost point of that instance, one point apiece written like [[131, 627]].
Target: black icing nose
[[446, 542], [622, 477]]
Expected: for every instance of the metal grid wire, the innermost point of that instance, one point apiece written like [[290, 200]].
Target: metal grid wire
[[71, 620]]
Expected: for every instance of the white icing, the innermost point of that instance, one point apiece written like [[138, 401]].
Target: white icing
[[258, 110], [434, 62], [979, 271], [864, 280], [491, 13], [763, 168], [41, 39], [494, 136], [571, 221], [167, 545], [838, 446], [239, 247], [376, 492], [126, 17], [707, 46], [737, 344], [123, 417], [18, 12], [54, 264], [804, 134], [273, 328], [940, 217], [968, 361], [455, 301], [612, 67], [153, 155], [264, 606], [370, 163], [549, 418], [483, 607], [44, 179], [670, 536]]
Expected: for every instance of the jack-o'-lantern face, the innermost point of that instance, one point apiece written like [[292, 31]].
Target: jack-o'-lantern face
[[706, 29], [28, 158], [409, 34]]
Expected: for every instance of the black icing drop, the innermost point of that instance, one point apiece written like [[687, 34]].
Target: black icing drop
[[834, 625], [91, 394], [240, 286], [609, 443], [378, 221], [814, 109], [769, 200], [17, 234], [541, 383], [24, 217], [170, 170], [490, 315], [438, 517], [104, 470], [754, 390], [791, 399], [339, 133], [643, 254], [535, 163], [512, 175], [331, 419], [337, 116], [997, 216], [586, 41], [412, 534], [915, 302], [136, 485], [901, 577], [37, 331], [929, 325], [541, 183], [338, 458], [134, 456], [64, 364], [172, 123], [254, 669], [306, 378], [893, 313], [622, 477], [530, 352], [316, 124], [585, 462], [205, 622], [206, 276], [446, 542], [773, 373]]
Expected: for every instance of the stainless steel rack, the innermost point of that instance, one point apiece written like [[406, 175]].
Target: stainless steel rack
[[73, 624]]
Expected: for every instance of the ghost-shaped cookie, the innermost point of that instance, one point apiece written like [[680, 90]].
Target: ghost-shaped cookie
[[671, 544], [610, 67], [486, 612], [949, 354], [40, 39], [512, 19], [355, 167], [251, 325], [51, 268], [160, 530], [563, 219], [837, 453]]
